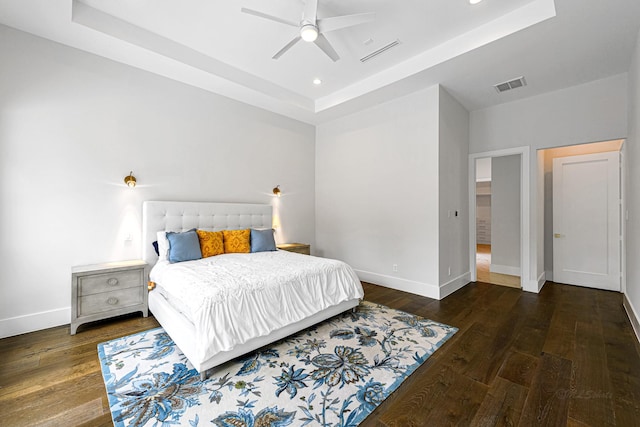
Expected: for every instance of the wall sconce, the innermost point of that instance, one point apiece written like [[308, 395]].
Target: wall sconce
[[130, 180], [276, 190]]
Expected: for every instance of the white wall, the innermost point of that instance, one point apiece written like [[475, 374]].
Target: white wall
[[483, 169], [386, 178], [453, 194], [595, 111], [633, 189], [377, 192], [72, 125], [505, 215]]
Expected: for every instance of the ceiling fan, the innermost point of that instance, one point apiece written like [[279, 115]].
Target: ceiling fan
[[312, 29]]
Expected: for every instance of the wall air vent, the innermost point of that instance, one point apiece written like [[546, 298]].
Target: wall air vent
[[379, 51], [511, 84]]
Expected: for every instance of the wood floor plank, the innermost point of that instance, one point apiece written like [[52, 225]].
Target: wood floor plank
[[519, 368], [488, 362], [104, 420], [412, 406], [509, 364], [470, 346], [52, 402], [77, 415], [561, 333], [502, 405], [590, 397], [19, 365], [460, 404], [64, 370], [547, 402], [575, 423], [627, 412], [622, 365], [501, 306], [530, 340]]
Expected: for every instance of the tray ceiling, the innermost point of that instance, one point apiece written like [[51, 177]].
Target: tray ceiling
[[212, 45]]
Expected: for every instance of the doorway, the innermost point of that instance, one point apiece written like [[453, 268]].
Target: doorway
[[582, 220], [498, 220], [523, 156]]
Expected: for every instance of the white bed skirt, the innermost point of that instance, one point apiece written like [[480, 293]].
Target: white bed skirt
[[183, 332]]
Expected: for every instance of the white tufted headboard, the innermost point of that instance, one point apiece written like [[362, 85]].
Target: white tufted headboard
[[181, 216]]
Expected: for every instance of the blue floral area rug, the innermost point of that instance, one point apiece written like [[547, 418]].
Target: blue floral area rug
[[333, 374]]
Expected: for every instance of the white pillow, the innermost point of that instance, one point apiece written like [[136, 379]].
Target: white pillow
[[163, 246]]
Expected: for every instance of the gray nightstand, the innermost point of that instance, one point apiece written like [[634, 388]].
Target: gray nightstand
[[101, 291], [299, 248]]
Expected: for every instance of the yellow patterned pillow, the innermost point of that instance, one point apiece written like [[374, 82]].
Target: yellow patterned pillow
[[237, 241], [211, 243]]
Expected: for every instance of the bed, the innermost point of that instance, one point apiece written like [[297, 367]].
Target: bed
[[219, 308]]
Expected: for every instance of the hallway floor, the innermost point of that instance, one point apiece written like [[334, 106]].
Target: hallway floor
[[483, 261]]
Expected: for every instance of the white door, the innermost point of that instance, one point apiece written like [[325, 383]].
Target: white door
[[586, 220]]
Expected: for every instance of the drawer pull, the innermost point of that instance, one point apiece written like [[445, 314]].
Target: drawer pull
[[113, 281], [112, 301]]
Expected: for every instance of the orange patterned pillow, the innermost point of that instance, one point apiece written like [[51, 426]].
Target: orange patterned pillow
[[211, 243], [237, 241]]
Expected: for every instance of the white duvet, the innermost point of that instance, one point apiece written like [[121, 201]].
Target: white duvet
[[232, 298]]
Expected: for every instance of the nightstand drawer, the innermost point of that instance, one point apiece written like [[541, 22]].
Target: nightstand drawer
[[99, 283], [107, 301]]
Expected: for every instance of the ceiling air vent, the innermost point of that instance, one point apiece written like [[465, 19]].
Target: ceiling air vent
[[379, 51], [511, 84]]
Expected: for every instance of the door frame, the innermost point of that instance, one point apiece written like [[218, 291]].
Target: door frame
[[623, 216], [525, 212]]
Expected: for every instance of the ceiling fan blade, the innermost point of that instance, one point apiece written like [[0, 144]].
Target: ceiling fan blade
[[310, 11], [326, 47], [339, 22], [269, 17], [286, 48]]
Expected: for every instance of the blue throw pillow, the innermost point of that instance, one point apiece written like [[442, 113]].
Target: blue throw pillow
[[262, 241], [183, 246]]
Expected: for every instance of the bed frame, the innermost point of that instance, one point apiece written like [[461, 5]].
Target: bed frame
[[181, 216]]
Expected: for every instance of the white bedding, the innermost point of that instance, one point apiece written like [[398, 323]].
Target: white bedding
[[232, 298]]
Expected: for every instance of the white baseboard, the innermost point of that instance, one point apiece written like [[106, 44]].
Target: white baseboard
[[633, 315], [418, 288], [504, 269], [455, 284], [34, 322], [534, 285], [542, 279], [538, 284]]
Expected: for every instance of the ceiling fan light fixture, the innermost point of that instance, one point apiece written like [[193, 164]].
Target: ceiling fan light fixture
[[309, 32], [312, 30]]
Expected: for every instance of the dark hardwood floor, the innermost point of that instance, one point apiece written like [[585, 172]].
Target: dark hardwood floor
[[566, 356]]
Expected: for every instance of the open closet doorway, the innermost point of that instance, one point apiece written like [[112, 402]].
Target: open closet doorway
[[497, 209]]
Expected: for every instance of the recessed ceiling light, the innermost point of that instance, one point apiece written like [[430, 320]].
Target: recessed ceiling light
[[317, 82], [474, 1]]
